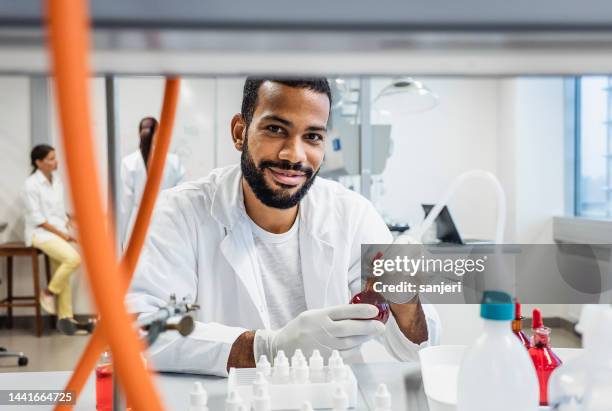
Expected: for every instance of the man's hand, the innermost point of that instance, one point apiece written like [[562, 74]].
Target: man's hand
[[242, 355], [342, 328], [411, 320]]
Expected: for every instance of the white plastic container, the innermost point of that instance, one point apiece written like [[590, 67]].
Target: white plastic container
[[585, 382], [496, 372], [440, 369], [440, 372], [291, 395]]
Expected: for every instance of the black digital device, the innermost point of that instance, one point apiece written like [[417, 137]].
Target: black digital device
[[446, 230]]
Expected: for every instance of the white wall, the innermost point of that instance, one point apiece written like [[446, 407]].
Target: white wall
[[14, 169], [433, 147], [229, 100], [14, 150], [532, 166]]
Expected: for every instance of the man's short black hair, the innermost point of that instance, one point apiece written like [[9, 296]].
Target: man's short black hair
[[252, 84]]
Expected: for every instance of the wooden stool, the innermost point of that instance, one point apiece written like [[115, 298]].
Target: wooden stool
[[10, 250]]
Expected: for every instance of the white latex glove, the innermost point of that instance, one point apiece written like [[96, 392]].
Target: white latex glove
[[342, 328]]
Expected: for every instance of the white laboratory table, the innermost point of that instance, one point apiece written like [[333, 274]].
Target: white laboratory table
[[403, 381]]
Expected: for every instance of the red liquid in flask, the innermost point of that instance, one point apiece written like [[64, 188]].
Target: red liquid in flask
[[374, 298], [517, 326], [104, 387], [543, 357]]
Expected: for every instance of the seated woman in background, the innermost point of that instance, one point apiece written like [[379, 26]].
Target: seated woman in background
[[47, 227]]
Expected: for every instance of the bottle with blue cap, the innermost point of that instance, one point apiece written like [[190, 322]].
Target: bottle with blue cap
[[496, 372]]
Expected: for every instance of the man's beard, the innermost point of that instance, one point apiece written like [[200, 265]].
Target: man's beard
[[276, 198]]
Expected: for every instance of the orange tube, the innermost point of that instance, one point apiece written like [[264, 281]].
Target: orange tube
[[155, 174], [86, 364], [97, 342], [69, 44]]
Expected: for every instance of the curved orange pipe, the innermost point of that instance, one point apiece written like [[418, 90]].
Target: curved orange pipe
[[162, 140], [69, 43], [161, 144]]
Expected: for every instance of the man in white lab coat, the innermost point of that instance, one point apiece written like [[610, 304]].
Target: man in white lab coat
[[270, 251]]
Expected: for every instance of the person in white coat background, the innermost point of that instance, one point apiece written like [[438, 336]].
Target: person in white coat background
[[269, 251], [134, 175]]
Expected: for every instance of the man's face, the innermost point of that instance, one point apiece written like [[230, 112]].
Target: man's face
[[284, 144], [146, 128]]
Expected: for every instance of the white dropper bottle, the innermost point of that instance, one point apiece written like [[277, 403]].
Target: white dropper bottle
[[198, 398]]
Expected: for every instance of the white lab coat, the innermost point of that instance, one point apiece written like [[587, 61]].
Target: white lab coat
[[200, 246], [44, 203], [133, 179]]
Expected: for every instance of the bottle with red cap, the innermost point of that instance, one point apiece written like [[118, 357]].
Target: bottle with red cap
[[543, 357], [517, 326]]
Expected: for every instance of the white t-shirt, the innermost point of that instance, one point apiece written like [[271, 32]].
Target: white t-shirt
[[279, 261], [44, 203]]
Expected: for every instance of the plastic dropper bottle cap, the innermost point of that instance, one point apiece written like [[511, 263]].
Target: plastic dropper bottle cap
[[281, 367], [198, 398], [307, 406], [383, 398], [264, 366], [280, 357], [316, 361], [537, 319], [497, 306], [336, 367], [335, 361], [233, 402], [301, 371], [260, 382], [261, 400], [340, 399], [297, 356]]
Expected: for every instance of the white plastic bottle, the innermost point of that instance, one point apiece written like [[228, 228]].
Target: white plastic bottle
[[584, 383], [198, 398], [496, 372]]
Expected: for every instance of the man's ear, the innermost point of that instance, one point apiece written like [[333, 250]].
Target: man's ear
[[238, 131]]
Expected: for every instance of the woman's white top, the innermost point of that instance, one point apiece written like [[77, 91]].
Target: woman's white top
[[44, 203]]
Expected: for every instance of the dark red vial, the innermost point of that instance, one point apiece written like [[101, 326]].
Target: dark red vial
[[374, 298], [517, 326]]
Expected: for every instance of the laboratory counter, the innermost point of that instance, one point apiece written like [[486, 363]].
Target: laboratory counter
[[403, 381]]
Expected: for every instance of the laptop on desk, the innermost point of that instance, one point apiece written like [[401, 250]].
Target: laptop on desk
[[446, 230]]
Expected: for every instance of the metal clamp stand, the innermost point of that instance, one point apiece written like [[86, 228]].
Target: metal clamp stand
[[155, 324]]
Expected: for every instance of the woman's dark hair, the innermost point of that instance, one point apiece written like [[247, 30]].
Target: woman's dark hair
[[252, 84], [39, 152], [146, 142]]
